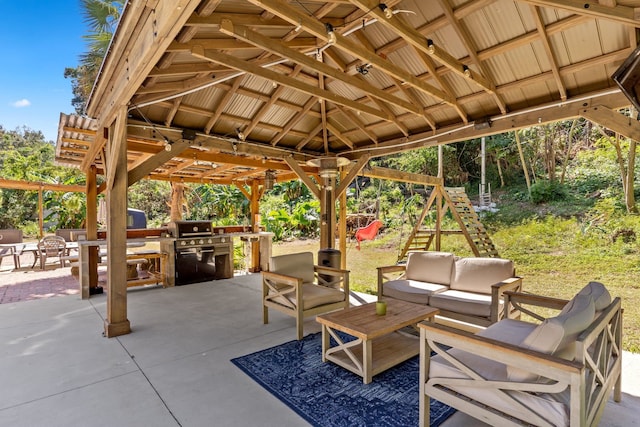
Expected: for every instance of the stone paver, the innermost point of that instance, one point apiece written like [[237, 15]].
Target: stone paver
[[28, 284]]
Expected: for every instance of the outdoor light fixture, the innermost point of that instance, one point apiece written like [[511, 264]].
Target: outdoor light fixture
[[331, 33], [466, 70], [329, 166], [482, 124], [206, 163], [431, 47], [269, 179], [363, 69], [188, 134], [167, 144], [241, 135], [388, 13]]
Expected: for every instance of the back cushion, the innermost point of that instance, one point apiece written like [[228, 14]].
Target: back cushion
[[430, 267], [557, 335], [478, 274], [298, 265], [597, 291]]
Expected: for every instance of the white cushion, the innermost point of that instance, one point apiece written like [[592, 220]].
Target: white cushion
[[312, 296], [298, 265], [554, 411], [411, 290], [557, 335], [316, 295], [470, 303], [430, 267], [597, 291], [479, 274]]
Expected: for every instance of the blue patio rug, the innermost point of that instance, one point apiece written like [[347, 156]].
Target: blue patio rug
[[327, 395]]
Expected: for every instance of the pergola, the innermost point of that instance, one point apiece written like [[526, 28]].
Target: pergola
[[303, 89]]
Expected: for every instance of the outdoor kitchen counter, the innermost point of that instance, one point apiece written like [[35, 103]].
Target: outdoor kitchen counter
[[135, 249], [262, 253]]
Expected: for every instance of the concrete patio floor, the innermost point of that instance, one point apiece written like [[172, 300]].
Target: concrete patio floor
[[174, 369]]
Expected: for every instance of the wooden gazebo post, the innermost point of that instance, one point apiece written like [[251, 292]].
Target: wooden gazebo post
[[116, 322], [91, 224]]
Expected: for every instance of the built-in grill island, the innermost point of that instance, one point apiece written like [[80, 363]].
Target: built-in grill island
[[199, 254]]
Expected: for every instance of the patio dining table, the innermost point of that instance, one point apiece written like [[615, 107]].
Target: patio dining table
[[33, 248]]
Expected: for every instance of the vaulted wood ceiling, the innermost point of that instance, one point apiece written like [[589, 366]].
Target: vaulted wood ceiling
[[236, 87]]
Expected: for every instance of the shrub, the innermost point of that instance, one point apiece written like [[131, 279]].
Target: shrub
[[548, 191]]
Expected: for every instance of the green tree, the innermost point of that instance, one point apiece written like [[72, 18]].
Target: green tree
[[25, 156], [101, 16]]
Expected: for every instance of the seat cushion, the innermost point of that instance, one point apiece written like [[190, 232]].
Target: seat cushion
[[430, 267], [470, 303], [479, 274], [298, 265], [411, 290], [509, 331], [316, 295], [441, 371]]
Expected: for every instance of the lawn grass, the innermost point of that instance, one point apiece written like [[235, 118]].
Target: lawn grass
[[554, 257]]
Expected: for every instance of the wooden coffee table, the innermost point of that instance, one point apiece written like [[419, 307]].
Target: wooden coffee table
[[378, 346]]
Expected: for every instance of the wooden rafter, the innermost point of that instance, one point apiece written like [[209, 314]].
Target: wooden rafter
[[319, 30], [223, 104], [431, 67], [256, 39], [487, 84], [535, 11], [323, 111], [418, 111], [621, 14], [275, 95], [292, 122], [238, 64]]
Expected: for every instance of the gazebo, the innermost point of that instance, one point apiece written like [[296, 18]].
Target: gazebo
[[312, 90]]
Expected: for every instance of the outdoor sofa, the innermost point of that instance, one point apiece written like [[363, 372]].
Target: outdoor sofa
[[465, 289]]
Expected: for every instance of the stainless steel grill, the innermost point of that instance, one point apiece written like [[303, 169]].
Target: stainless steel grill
[[200, 256]]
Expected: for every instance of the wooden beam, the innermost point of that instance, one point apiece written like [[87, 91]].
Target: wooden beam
[[116, 322], [233, 62], [622, 14], [313, 187], [35, 186], [613, 120], [223, 103], [415, 38], [232, 44], [544, 38], [547, 113], [354, 170], [318, 29], [397, 175], [91, 225], [133, 55], [268, 44], [150, 164]]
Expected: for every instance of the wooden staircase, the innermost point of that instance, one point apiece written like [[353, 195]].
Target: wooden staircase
[[456, 200]]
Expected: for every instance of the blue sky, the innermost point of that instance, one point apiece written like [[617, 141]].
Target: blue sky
[[38, 40]]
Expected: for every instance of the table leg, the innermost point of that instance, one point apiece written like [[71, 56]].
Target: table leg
[[325, 342], [36, 257], [367, 361]]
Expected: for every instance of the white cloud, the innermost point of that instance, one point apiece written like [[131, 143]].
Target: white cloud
[[22, 103]]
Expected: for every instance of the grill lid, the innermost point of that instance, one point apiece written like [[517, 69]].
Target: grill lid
[[181, 229]]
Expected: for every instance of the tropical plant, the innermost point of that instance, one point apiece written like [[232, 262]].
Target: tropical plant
[[101, 16]]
